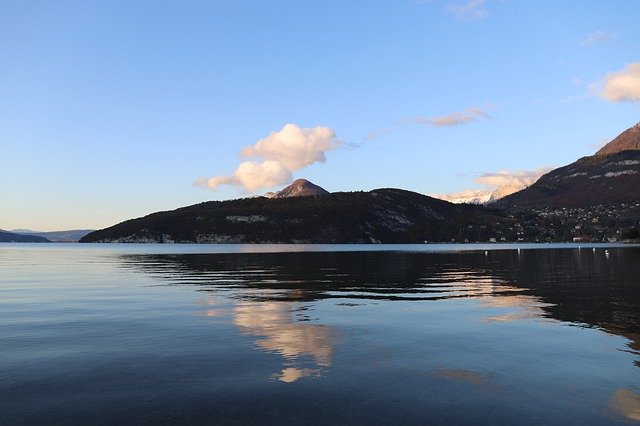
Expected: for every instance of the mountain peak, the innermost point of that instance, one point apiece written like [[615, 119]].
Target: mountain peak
[[299, 188], [629, 140], [301, 182]]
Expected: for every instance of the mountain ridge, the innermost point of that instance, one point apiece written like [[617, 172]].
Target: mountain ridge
[[629, 140], [610, 176], [385, 215], [68, 236], [12, 237]]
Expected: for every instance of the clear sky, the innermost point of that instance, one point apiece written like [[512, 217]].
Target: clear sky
[[111, 110]]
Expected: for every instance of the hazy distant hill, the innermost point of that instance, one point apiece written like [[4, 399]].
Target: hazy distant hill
[[611, 176], [11, 237], [382, 215], [70, 236]]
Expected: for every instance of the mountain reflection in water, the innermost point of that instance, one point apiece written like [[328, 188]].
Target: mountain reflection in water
[[110, 335], [582, 287]]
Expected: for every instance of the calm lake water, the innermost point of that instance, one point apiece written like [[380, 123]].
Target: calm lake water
[[203, 334]]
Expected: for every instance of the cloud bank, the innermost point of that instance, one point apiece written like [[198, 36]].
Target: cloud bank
[[454, 119], [621, 86], [276, 157], [511, 178]]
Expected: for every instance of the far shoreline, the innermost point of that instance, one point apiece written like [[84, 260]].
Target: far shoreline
[[264, 248]]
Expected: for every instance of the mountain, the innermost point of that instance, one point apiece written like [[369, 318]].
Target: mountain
[[470, 196], [506, 190], [11, 237], [629, 140], [299, 188], [381, 215], [482, 196], [610, 177], [70, 236]]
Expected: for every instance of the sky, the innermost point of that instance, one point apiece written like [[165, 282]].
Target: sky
[[111, 110]]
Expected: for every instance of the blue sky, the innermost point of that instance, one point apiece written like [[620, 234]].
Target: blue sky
[[111, 110]]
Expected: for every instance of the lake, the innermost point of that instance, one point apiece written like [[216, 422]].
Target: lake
[[356, 334]]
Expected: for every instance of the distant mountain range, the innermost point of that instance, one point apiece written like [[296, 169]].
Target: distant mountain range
[[70, 236], [12, 237], [611, 176], [482, 196], [306, 213], [471, 196], [506, 184]]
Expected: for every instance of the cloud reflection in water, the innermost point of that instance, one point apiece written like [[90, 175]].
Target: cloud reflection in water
[[626, 403], [279, 332]]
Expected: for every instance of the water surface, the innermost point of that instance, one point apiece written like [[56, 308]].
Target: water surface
[[199, 334]]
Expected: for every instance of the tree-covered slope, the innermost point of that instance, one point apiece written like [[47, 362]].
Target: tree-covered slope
[[382, 215]]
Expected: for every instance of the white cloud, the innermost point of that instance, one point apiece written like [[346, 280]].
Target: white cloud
[[214, 182], [281, 153], [453, 119], [598, 37], [375, 134], [511, 178], [293, 146], [620, 86], [472, 10]]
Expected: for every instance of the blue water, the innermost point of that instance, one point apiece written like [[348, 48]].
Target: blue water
[[203, 334]]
